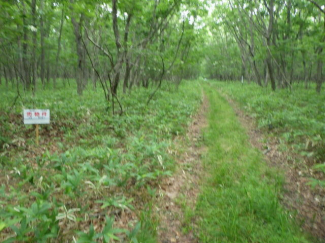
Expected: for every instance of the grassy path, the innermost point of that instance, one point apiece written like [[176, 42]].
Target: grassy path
[[239, 199]]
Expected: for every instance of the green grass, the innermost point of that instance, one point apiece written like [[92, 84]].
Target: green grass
[[296, 118], [239, 200], [91, 168]]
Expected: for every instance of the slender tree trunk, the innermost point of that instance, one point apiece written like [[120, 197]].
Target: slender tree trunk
[[94, 78], [34, 61], [20, 63], [96, 63], [9, 74], [59, 50], [291, 69], [119, 63], [319, 79], [305, 73], [134, 72], [252, 53], [17, 78], [266, 76], [290, 66], [282, 69], [80, 53], [269, 43], [42, 73], [127, 76], [12, 76], [127, 59], [310, 72], [85, 68], [26, 69], [1, 73], [270, 72], [6, 76], [48, 72]]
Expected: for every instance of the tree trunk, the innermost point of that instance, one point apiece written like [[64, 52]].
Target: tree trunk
[[6, 76], [42, 74], [266, 75], [119, 63], [59, 50], [96, 63], [17, 78], [134, 72], [305, 74], [127, 76], [26, 70], [48, 72], [257, 74], [319, 80], [80, 53], [11, 75], [1, 74], [269, 43], [127, 59], [34, 62]]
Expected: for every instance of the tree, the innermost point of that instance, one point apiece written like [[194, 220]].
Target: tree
[[281, 39]]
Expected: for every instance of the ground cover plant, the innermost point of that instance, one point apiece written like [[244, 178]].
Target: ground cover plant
[[295, 117], [240, 194], [94, 175], [112, 75]]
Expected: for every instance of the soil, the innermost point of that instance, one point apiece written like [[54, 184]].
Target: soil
[[184, 184], [308, 203]]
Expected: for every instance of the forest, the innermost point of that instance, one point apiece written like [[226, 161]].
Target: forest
[[168, 121]]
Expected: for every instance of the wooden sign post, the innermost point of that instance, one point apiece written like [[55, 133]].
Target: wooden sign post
[[36, 117], [37, 143]]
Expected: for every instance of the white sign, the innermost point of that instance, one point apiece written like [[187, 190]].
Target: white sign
[[36, 116]]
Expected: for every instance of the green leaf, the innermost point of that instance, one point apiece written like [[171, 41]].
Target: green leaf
[[2, 226]]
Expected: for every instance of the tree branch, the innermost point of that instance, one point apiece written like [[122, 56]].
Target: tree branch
[[178, 45], [107, 53], [92, 64], [160, 81], [317, 5], [266, 5]]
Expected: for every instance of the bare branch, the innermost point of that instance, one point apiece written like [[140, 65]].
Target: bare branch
[[160, 81], [107, 53], [177, 49], [92, 64]]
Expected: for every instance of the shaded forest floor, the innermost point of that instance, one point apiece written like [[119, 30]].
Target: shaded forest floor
[[187, 168], [113, 163]]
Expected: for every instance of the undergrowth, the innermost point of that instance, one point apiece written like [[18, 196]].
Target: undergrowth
[[94, 175], [296, 118]]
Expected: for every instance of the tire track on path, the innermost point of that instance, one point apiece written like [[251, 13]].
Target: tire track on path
[[183, 186]]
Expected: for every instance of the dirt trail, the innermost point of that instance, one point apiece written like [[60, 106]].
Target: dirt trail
[[298, 195], [184, 184]]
